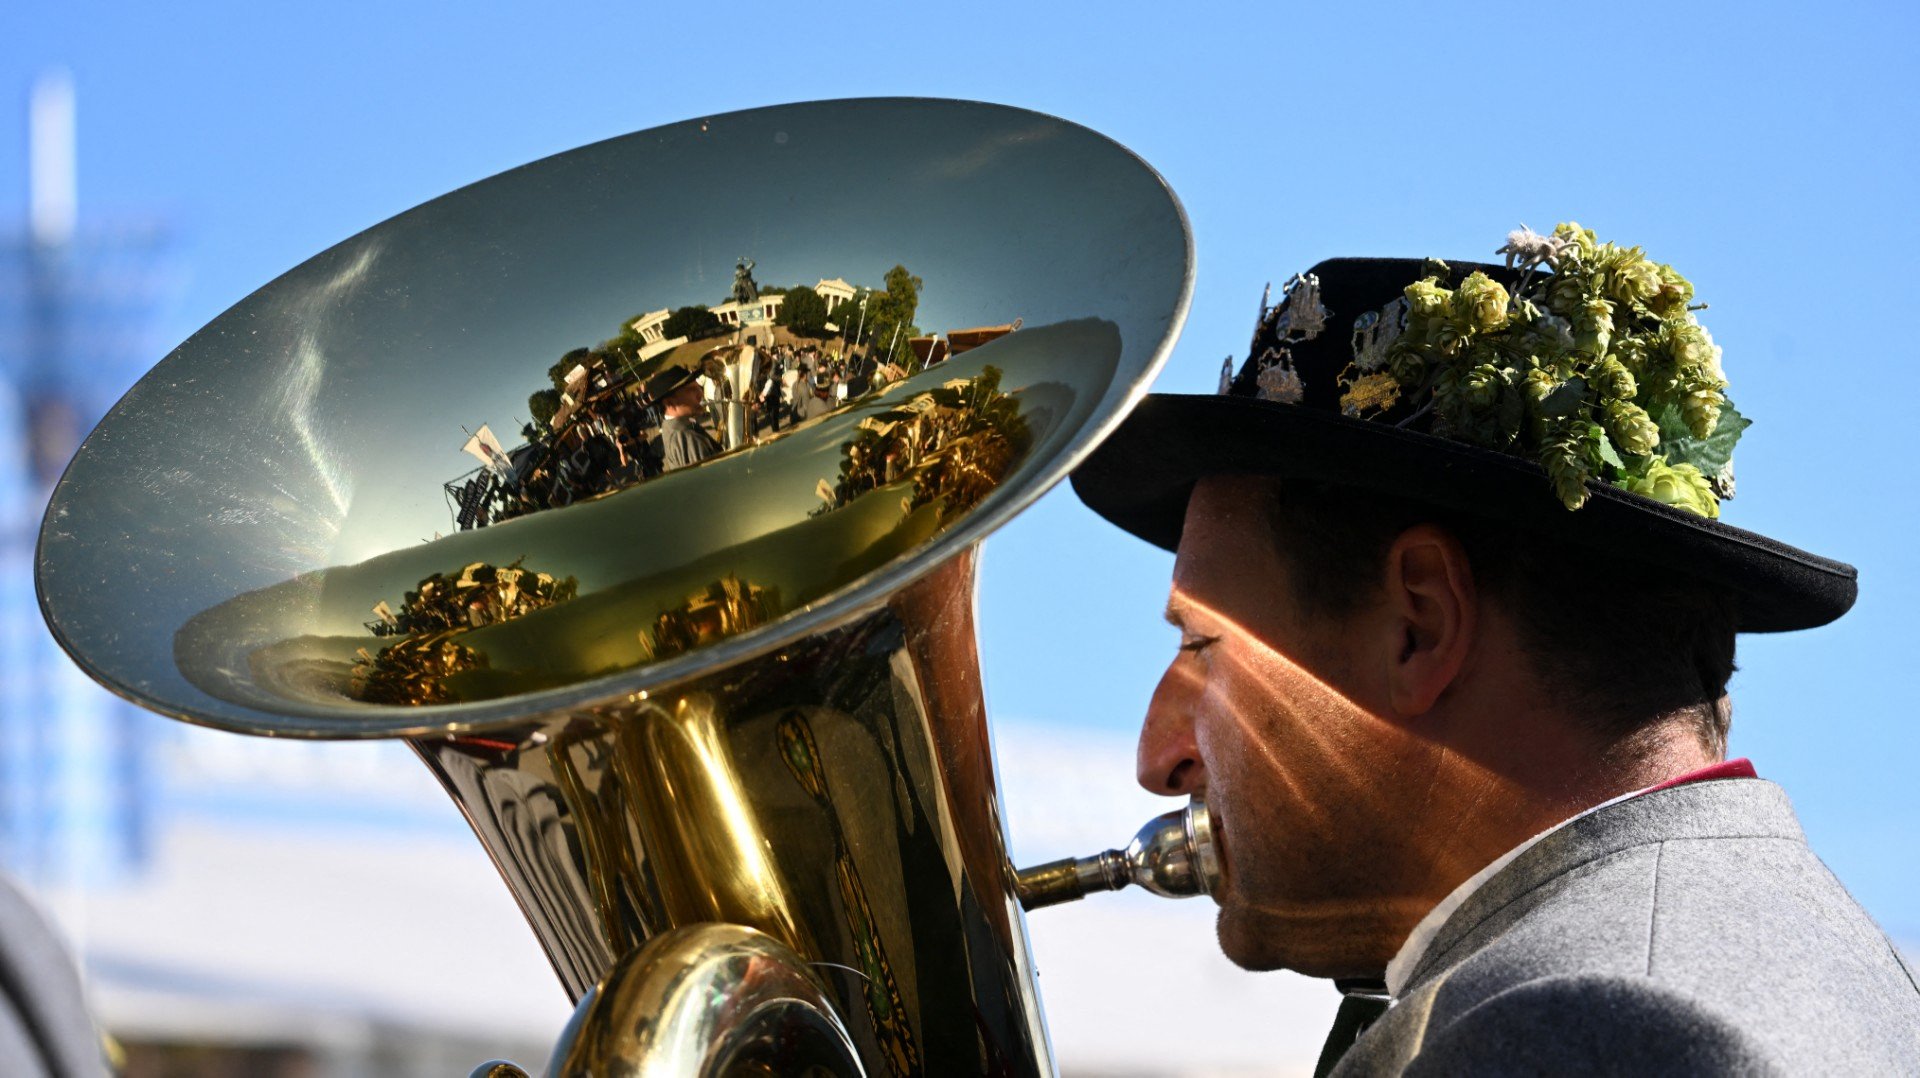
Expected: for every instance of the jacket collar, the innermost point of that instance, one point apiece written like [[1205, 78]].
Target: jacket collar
[[1722, 808]]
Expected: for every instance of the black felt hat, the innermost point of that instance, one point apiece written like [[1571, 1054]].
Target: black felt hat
[[665, 382], [1141, 477]]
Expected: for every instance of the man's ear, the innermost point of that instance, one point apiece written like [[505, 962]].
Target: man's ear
[[1432, 611]]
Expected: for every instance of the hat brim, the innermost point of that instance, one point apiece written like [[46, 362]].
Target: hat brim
[[667, 381], [1140, 479]]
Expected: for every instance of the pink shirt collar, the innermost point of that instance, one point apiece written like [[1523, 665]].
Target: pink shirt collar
[[1741, 768]]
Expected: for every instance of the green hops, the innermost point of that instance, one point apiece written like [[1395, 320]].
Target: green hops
[[1567, 292], [1614, 381], [1678, 485], [1671, 298], [1691, 347], [1427, 300], [1565, 458], [1539, 384], [1631, 428], [1480, 304], [1582, 369], [1701, 410], [1580, 240], [1482, 386], [1633, 279], [1593, 326]]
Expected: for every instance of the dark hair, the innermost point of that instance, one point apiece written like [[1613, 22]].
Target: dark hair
[[1621, 644]]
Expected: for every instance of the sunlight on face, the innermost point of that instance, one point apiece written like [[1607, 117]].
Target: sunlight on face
[[1332, 820]]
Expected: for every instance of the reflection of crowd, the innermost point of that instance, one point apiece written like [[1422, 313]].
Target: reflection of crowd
[[603, 437], [613, 430], [791, 384]]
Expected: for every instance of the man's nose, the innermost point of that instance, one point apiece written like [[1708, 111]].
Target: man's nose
[[1169, 757]]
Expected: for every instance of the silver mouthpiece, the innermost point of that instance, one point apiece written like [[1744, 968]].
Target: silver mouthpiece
[[1172, 856]]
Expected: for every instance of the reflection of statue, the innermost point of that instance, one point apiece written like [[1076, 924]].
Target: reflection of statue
[[744, 290]]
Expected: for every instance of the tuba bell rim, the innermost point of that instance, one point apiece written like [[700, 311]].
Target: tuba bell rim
[[846, 604]]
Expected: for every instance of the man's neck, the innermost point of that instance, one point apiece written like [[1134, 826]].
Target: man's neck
[[1535, 767], [1502, 793], [1403, 964]]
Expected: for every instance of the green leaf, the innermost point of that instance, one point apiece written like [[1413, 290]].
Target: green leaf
[[1635, 468], [1563, 398], [1709, 454], [1610, 455]]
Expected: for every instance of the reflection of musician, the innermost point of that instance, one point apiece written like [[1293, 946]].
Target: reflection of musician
[[811, 395], [770, 395], [683, 440], [1467, 743]]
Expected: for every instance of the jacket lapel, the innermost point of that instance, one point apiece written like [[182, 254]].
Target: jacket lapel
[[1719, 808]]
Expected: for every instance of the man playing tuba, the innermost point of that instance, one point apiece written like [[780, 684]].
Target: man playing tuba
[[1457, 618]]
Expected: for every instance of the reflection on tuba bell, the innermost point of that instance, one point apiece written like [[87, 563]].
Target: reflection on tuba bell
[[694, 654]]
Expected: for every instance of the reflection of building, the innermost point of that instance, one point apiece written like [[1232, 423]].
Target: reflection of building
[[652, 330], [764, 309], [757, 312], [835, 291]]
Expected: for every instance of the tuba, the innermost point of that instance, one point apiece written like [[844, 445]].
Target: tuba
[[696, 663]]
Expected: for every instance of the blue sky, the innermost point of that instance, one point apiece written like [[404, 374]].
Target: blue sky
[[1768, 151]]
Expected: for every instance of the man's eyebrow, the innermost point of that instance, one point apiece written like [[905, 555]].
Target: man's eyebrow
[[1175, 613]]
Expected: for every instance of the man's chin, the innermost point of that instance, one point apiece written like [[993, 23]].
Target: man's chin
[[1261, 944], [1247, 945]]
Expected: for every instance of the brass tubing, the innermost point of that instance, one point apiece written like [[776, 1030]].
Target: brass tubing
[[1070, 879], [1172, 856]]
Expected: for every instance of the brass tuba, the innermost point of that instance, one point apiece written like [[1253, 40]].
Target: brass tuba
[[694, 651]]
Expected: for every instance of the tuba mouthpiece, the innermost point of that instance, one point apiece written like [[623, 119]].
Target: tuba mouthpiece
[[1173, 856]]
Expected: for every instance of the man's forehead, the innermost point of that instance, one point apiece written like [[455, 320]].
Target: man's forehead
[[1226, 542]]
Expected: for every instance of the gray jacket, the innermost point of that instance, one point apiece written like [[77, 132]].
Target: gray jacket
[[1687, 931], [683, 442]]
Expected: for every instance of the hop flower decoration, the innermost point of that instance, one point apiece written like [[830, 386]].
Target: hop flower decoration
[[1679, 485], [1481, 304], [1597, 370]]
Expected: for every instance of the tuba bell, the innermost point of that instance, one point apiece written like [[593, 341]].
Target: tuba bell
[[720, 727]]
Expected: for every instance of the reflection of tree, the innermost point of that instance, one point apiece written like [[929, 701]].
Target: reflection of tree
[[890, 313], [727, 607], [542, 404], [955, 442], [414, 670], [804, 313], [693, 323]]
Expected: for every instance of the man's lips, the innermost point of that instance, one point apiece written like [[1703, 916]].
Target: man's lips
[[1220, 851]]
